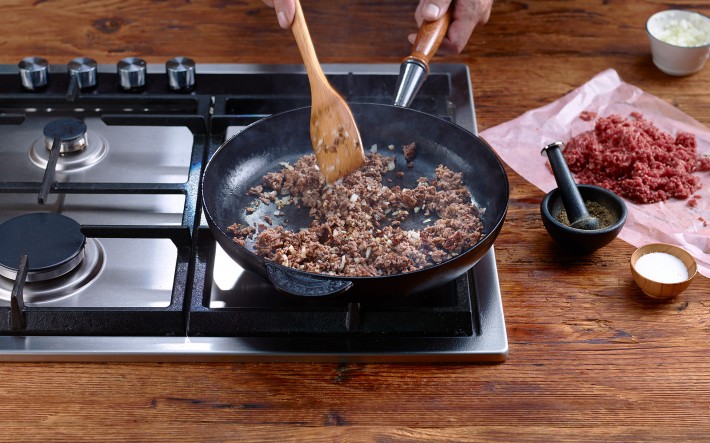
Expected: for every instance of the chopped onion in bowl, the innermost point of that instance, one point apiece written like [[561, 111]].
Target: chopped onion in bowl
[[683, 32]]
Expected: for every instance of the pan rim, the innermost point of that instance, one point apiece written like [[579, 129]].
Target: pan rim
[[492, 232]]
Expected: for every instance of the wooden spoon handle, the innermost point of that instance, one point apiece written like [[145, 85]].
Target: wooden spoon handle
[[429, 38], [305, 46]]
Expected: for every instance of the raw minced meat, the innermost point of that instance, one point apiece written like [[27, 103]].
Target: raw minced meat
[[636, 160], [357, 222], [588, 116]]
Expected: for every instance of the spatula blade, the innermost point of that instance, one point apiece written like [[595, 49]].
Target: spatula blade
[[335, 137]]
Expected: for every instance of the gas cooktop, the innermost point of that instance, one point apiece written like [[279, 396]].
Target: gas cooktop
[[105, 254]]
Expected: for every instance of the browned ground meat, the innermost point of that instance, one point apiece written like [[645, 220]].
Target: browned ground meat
[[636, 160], [356, 222], [241, 232], [410, 151]]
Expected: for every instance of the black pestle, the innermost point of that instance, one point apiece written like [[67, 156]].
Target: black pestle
[[577, 213]]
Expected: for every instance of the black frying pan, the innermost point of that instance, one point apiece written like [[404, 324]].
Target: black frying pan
[[240, 163]]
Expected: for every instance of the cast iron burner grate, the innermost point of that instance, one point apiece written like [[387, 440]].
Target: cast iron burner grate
[[252, 307]]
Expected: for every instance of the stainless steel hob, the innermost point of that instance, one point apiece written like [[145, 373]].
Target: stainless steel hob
[[150, 283]]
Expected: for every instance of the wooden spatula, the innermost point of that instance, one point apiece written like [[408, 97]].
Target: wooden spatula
[[334, 134]]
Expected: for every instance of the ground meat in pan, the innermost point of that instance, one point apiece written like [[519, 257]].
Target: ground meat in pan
[[357, 222], [636, 160]]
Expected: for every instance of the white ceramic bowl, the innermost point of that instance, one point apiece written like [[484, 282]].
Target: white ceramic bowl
[[680, 41]]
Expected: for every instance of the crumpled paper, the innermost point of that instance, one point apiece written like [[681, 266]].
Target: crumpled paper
[[519, 142]]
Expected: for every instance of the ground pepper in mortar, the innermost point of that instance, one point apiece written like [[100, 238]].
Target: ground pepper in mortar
[[604, 215]]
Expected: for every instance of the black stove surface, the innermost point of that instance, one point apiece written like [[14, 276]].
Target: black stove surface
[[208, 308]]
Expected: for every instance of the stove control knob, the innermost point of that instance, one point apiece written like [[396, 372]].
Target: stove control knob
[[33, 72], [131, 73], [83, 71], [181, 73]]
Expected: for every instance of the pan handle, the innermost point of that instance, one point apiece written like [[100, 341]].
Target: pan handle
[[297, 283], [415, 68], [429, 38]]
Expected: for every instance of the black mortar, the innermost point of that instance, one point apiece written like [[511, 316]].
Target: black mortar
[[583, 234]]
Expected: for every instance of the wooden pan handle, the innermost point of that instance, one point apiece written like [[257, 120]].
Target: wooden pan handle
[[429, 38]]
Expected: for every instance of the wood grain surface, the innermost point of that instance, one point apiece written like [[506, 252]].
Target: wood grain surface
[[591, 358]]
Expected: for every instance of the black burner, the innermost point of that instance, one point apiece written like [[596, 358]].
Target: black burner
[[70, 131], [53, 243]]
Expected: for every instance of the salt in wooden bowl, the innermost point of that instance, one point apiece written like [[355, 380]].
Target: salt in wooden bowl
[[658, 288]]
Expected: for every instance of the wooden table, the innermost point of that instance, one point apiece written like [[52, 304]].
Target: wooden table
[[591, 358]]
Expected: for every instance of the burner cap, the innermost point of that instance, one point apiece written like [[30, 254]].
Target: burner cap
[[54, 244], [71, 132]]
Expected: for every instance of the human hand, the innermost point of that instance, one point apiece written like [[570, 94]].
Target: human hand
[[467, 14], [285, 10]]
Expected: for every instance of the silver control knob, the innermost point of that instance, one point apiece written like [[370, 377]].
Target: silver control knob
[[33, 72], [83, 70], [131, 73], [181, 73]]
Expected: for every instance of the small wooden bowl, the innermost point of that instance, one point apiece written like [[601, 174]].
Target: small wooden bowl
[[658, 290]]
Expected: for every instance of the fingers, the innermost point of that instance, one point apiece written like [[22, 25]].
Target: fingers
[[430, 10], [285, 10], [467, 14], [457, 37]]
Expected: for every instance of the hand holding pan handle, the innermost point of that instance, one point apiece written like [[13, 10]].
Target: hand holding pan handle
[[429, 38], [415, 67], [298, 283]]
